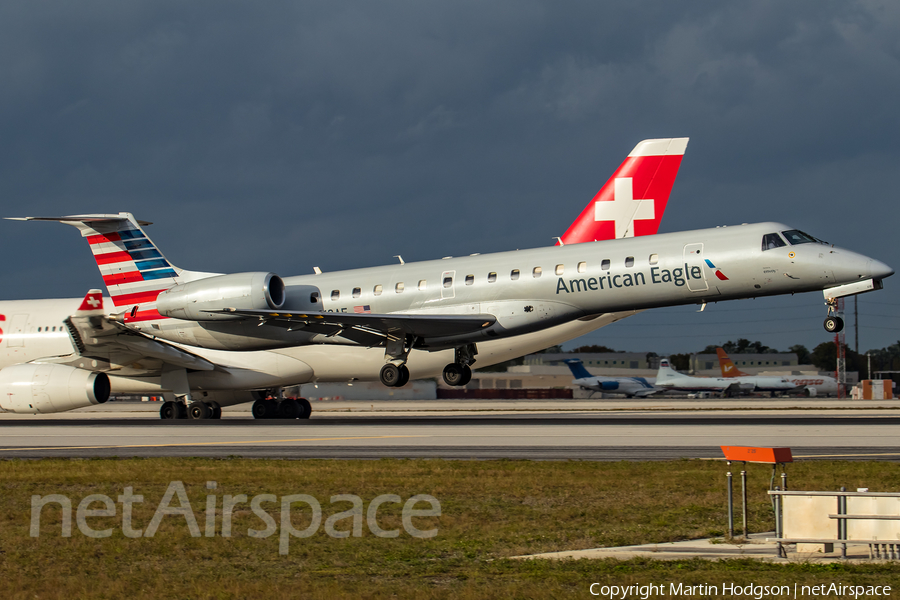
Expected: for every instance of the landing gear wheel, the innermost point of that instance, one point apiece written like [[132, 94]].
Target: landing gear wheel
[[390, 375], [199, 411], [454, 374], [288, 409], [263, 409], [216, 410], [834, 324], [169, 410], [404, 376], [305, 408], [466, 376]]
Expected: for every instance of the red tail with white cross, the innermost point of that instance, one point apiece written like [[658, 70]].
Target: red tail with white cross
[[633, 200]]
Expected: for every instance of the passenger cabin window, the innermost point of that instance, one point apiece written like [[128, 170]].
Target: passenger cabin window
[[582, 267], [772, 240], [357, 292], [399, 287], [795, 236], [448, 281], [422, 285], [492, 277], [335, 295], [536, 272], [560, 269], [378, 289], [314, 297], [629, 261], [654, 258], [605, 264], [514, 274], [470, 279]]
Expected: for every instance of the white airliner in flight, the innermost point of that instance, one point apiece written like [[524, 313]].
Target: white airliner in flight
[[811, 386], [430, 317], [55, 358], [630, 386]]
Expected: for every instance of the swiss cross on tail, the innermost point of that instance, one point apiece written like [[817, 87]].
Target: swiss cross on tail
[[92, 303], [633, 200]]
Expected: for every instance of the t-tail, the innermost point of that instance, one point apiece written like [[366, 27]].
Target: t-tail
[[727, 365], [577, 368], [632, 202], [133, 268]]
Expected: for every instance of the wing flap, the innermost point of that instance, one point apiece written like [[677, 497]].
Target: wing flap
[[388, 325]]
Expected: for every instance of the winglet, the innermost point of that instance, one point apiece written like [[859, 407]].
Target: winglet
[[633, 200]]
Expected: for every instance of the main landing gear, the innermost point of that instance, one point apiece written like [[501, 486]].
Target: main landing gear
[[195, 410], [396, 374], [287, 408], [833, 323]]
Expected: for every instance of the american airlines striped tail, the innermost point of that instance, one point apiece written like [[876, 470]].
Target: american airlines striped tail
[[133, 268]]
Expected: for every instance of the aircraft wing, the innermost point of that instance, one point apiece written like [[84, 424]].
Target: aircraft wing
[[645, 393], [106, 346], [370, 329]]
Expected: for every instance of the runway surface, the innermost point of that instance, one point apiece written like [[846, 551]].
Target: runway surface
[[472, 430]]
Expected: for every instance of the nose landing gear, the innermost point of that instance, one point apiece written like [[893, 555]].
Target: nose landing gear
[[833, 323]]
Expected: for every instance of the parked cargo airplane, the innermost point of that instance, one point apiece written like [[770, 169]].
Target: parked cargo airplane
[[135, 342], [810, 386], [668, 378], [630, 386]]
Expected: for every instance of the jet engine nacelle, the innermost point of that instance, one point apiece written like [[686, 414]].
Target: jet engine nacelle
[[44, 388], [247, 291], [608, 386]]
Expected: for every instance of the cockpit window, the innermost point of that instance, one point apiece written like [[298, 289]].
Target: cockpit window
[[795, 236], [772, 240]]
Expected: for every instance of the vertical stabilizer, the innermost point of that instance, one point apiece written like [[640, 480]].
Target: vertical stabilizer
[[665, 371], [633, 200], [727, 365], [577, 368], [133, 268]]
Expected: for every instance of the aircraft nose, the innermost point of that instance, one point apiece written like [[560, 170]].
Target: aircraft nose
[[879, 270]]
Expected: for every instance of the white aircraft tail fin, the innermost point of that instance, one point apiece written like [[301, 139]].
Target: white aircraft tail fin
[[633, 200], [665, 371]]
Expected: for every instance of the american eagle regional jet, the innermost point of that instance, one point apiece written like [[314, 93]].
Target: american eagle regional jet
[[211, 339]]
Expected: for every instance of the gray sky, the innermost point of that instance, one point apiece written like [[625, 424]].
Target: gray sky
[[279, 136]]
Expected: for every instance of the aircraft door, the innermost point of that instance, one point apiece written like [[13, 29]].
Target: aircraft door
[[448, 281], [17, 333], [693, 263]]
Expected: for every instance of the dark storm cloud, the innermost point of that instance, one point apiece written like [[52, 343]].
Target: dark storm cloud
[[288, 135]]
